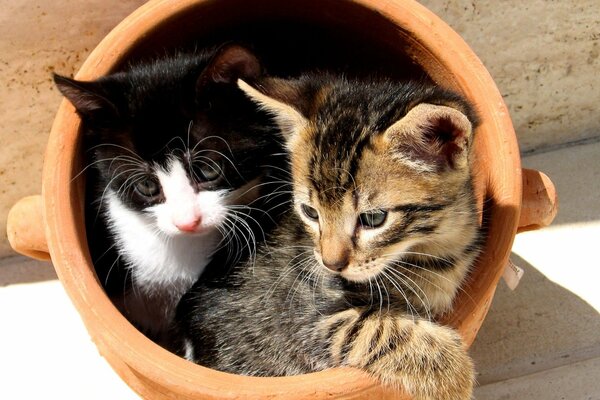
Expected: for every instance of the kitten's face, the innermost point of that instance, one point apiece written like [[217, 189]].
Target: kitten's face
[[175, 142], [361, 224], [373, 180], [179, 189]]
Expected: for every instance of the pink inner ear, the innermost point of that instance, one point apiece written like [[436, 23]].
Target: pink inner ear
[[446, 138]]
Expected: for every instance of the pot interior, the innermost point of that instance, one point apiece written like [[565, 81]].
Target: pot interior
[[290, 36]]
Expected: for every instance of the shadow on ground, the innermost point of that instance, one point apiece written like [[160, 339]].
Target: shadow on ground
[[18, 269], [539, 326]]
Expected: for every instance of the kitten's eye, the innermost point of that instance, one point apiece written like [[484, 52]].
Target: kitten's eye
[[372, 219], [210, 172], [148, 187], [310, 212]]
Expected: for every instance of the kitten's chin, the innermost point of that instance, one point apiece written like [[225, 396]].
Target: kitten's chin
[[357, 274], [360, 276]]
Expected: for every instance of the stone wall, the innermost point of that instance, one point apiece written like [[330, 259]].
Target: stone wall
[[543, 56]]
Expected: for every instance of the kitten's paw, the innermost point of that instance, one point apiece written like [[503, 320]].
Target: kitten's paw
[[426, 360]]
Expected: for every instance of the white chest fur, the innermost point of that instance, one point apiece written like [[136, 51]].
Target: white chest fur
[[155, 258], [162, 266]]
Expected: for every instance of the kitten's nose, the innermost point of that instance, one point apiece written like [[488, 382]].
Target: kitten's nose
[[188, 226], [337, 265]]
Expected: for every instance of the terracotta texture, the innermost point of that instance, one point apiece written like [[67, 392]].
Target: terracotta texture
[[540, 201], [24, 228], [403, 28]]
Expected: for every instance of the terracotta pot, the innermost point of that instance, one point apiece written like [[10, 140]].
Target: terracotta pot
[[398, 30]]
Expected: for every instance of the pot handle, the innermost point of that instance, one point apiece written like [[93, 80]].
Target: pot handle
[[540, 202], [25, 228]]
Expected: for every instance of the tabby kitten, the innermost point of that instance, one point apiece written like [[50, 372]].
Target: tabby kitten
[[383, 233], [180, 162]]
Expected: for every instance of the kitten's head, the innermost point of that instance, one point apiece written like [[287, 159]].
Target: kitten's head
[[380, 169], [174, 141]]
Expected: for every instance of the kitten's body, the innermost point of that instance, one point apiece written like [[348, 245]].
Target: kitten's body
[[181, 160], [338, 285]]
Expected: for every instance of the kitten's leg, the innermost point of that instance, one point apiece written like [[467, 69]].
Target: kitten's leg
[[427, 360]]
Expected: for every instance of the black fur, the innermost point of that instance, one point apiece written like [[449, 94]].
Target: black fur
[[164, 108]]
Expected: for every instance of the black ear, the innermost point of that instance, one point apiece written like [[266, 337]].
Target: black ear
[[89, 98], [433, 136], [230, 63]]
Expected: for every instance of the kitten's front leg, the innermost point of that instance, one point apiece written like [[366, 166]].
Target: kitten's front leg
[[427, 360]]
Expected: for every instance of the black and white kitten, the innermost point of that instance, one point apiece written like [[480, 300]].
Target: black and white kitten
[[180, 160]]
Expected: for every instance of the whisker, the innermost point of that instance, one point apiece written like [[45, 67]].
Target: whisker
[[401, 277], [286, 271], [409, 305]]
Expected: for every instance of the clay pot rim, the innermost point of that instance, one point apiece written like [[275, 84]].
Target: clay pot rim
[[109, 329]]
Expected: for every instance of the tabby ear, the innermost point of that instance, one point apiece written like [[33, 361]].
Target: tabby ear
[[89, 98], [230, 63], [433, 136], [280, 99]]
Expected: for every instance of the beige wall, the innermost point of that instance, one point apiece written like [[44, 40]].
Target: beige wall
[[542, 54]]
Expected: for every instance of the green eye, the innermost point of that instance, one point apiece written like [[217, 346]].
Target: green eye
[[372, 219], [310, 212], [210, 172], [148, 187]]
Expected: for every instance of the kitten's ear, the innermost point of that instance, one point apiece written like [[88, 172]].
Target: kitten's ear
[[89, 98], [282, 100], [434, 135], [230, 63]]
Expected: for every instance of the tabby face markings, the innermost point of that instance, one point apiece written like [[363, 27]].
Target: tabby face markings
[[381, 183], [413, 219], [346, 246]]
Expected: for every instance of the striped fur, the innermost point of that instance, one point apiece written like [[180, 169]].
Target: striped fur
[[331, 290]]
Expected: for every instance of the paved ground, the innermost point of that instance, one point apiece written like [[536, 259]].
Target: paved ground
[[540, 342]]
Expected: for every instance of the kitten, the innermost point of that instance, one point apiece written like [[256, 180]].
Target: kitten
[[383, 233], [180, 162]]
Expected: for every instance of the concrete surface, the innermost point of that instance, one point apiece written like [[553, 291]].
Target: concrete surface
[[578, 381], [45, 350], [550, 325], [542, 54], [555, 317], [540, 342]]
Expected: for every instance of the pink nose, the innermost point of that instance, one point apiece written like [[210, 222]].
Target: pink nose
[[188, 226]]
